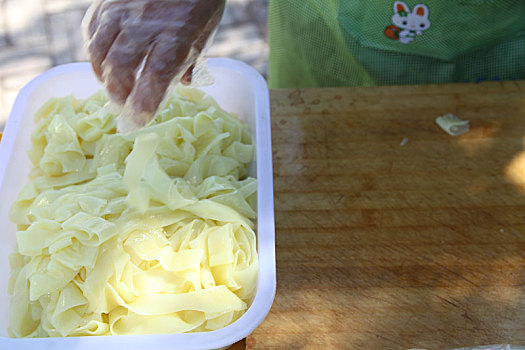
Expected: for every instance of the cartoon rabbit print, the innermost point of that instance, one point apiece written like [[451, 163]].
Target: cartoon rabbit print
[[409, 23]]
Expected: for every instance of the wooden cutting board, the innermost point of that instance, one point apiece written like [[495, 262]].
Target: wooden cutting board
[[390, 233]]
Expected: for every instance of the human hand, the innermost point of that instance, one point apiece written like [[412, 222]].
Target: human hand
[[137, 47]]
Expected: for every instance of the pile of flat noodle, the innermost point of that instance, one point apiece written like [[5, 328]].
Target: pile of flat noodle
[[149, 232]]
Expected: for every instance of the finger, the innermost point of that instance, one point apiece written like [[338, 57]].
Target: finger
[[106, 32], [90, 20], [124, 59], [163, 63], [200, 45], [188, 75], [211, 26]]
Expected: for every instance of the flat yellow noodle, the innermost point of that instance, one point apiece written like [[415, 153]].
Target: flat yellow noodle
[[149, 232]]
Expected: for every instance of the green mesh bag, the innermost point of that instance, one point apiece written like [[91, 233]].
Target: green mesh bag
[[377, 42]]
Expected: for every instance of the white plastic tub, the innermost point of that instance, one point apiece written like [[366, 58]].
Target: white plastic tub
[[239, 89]]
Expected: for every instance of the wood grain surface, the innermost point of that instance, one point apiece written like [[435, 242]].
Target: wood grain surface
[[390, 233]]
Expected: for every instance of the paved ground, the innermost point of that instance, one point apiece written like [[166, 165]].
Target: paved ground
[[36, 35]]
